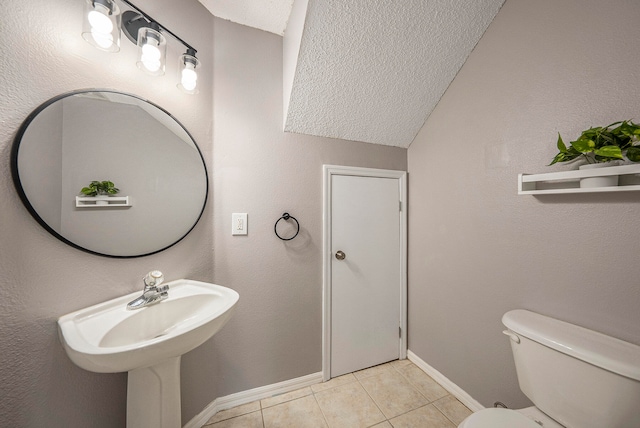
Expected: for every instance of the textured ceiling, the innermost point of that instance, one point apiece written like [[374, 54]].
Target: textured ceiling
[[372, 71], [368, 70], [267, 15]]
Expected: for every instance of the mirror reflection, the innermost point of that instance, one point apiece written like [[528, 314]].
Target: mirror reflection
[[146, 154]]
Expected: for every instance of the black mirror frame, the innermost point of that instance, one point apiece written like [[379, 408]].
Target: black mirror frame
[[25, 200]]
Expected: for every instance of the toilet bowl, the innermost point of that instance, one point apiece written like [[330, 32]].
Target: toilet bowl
[[529, 417], [575, 377], [498, 418]]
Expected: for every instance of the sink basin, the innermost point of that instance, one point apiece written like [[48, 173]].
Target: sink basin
[[148, 343], [108, 338]]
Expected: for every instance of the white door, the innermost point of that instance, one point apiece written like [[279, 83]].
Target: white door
[[366, 271]]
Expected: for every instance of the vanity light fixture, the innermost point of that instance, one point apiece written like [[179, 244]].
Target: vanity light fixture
[[188, 74], [152, 50], [102, 26]]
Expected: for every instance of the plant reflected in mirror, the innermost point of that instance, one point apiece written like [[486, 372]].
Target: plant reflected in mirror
[[96, 188]]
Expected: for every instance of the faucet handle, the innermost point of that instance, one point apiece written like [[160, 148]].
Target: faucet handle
[[153, 278]]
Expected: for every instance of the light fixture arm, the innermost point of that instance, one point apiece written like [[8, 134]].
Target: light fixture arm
[[108, 5], [133, 21], [104, 23], [190, 53]]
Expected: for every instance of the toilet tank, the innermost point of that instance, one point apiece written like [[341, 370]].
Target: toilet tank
[[580, 378]]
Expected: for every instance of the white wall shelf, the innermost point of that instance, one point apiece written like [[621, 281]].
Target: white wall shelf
[[102, 201], [569, 181]]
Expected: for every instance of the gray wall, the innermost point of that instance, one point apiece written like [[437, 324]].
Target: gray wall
[[476, 248], [254, 167], [276, 332], [41, 278]]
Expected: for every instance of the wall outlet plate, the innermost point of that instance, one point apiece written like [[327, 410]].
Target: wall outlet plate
[[239, 225]]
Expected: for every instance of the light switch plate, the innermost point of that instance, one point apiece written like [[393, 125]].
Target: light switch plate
[[239, 225]]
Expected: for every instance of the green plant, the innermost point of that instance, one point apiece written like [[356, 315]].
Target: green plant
[[602, 144], [100, 188]]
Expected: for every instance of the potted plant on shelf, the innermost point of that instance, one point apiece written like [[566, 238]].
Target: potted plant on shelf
[[100, 188], [598, 146]]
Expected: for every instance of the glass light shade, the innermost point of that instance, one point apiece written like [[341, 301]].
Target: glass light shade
[[101, 25], [152, 51], [188, 77]]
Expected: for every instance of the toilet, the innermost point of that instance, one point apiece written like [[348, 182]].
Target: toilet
[[575, 377]]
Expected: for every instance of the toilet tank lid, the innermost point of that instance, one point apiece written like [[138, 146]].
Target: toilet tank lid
[[587, 345]]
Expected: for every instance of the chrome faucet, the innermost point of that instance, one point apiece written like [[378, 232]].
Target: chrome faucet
[[152, 293]]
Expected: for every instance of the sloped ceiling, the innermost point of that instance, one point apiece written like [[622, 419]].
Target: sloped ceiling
[[371, 70], [267, 15]]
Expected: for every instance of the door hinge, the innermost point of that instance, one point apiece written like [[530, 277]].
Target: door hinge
[[400, 332], [400, 205]]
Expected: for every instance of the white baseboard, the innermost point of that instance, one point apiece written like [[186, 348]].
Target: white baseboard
[[453, 389], [244, 397]]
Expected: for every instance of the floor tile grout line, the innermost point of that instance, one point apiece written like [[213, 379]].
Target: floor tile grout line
[[387, 419], [420, 407], [374, 401], [413, 386], [285, 401], [235, 417], [420, 392], [426, 398], [326, 421], [365, 391], [389, 367], [334, 387], [447, 417]]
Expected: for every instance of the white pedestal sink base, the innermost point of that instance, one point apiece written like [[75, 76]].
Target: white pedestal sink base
[[147, 343], [153, 396]]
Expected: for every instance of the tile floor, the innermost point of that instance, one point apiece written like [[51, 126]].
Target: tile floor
[[392, 395]]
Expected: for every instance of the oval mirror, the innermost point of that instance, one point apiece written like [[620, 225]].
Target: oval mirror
[[85, 136]]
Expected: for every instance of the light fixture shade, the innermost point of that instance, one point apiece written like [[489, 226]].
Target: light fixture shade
[[188, 74], [152, 50], [101, 24]]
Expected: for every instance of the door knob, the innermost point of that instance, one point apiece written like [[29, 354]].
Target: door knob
[[340, 255]]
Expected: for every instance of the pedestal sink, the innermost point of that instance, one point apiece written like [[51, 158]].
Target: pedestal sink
[[148, 343]]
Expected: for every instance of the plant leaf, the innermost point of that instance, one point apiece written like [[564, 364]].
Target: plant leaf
[[590, 134], [633, 153], [612, 152], [567, 156], [561, 146], [584, 145], [89, 191], [558, 158]]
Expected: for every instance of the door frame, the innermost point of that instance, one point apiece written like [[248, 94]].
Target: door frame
[[328, 171]]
